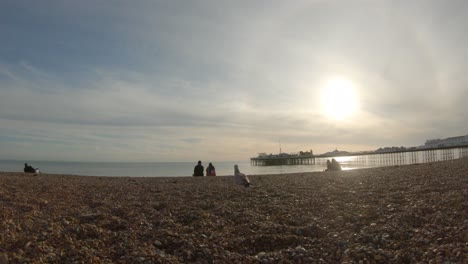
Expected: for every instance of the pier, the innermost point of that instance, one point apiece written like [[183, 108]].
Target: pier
[[367, 159], [274, 160]]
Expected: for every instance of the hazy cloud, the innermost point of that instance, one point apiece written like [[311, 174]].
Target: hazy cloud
[[159, 80]]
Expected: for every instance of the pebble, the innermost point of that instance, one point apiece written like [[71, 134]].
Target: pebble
[[402, 215], [4, 258]]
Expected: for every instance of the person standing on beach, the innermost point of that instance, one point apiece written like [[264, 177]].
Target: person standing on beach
[[210, 170], [198, 170], [240, 177]]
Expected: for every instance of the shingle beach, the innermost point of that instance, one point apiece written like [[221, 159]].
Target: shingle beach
[[406, 214]]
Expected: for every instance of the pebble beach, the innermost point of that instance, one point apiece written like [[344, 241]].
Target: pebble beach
[[406, 214]]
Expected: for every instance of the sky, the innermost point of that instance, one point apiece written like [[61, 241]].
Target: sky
[[215, 80]]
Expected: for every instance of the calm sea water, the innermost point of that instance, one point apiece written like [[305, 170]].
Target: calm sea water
[[150, 169], [178, 169]]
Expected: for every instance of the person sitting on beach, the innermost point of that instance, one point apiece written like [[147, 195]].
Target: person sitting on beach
[[241, 178], [210, 170], [198, 170], [328, 166], [29, 169], [333, 165]]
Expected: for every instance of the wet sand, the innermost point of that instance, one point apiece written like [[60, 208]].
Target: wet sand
[[406, 214]]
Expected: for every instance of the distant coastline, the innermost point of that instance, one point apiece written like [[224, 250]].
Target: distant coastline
[[446, 143]]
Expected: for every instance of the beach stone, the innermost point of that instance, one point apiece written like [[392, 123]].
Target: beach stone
[[160, 252], [300, 249], [311, 216], [4, 258]]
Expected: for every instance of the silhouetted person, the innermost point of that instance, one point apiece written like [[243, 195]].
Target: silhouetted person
[[333, 165], [241, 178], [29, 169], [210, 170], [336, 166], [198, 170]]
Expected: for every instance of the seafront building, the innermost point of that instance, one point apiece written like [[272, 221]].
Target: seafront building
[[447, 142]]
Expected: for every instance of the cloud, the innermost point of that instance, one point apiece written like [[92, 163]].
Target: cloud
[[161, 81]]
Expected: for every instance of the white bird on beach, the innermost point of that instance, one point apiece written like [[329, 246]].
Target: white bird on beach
[[240, 177]]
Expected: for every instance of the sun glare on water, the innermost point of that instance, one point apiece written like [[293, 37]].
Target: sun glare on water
[[339, 99]]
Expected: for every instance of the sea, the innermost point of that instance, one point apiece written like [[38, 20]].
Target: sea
[[226, 168], [150, 169]]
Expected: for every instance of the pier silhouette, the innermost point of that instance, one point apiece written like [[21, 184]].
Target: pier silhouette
[[366, 159]]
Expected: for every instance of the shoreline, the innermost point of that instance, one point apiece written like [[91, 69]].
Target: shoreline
[[410, 213], [148, 169]]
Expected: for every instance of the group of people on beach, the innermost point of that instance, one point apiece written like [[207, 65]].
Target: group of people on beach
[[239, 177], [333, 165], [199, 170], [242, 179]]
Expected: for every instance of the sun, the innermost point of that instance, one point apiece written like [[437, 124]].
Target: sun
[[339, 99]]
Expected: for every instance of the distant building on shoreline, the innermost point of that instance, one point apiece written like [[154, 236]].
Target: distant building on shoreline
[[390, 149], [430, 144], [447, 142]]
